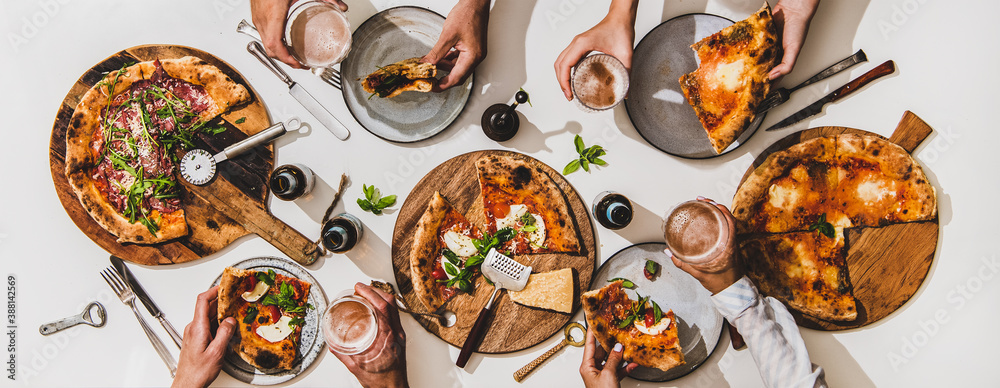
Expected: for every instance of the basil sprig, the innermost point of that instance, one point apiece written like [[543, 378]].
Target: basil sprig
[[461, 276], [821, 226], [625, 282], [587, 156], [373, 201], [285, 300]]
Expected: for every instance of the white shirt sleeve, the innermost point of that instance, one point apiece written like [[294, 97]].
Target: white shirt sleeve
[[771, 335]]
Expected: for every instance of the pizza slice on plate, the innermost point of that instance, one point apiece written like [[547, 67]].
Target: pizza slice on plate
[[731, 80], [647, 334], [403, 76], [519, 194], [269, 309], [444, 256], [122, 139], [805, 270]]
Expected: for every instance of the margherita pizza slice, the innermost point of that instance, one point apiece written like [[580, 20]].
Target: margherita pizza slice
[[648, 335], [122, 138], [441, 261], [731, 79], [805, 270], [519, 194], [269, 309]]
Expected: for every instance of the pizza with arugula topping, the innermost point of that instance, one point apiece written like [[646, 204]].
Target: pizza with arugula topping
[[270, 310], [123, 139]]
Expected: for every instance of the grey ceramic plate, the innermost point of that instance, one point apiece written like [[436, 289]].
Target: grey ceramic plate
[[388, 37], [699, 325], [312, 343], [655, 103]]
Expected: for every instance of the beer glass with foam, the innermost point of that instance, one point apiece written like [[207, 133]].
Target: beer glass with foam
[[317, 34], [698, 233], [350, 325]]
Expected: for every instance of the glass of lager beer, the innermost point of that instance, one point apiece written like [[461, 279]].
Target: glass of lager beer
[[599, 83], [699, 234], [350, 325], [317, 34]]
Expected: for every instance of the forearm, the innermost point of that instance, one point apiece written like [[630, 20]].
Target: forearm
[[623, 11], [771, 335]]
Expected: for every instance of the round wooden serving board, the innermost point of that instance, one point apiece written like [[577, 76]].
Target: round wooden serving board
[[886, 265], [210, 228], [513, 327]]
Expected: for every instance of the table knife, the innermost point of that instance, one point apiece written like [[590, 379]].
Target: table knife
[[301, 95], [126, 274], [780, 95], [886, 68]]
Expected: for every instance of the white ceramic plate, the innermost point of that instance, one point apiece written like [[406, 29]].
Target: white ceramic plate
[[656, 104], [699, 325], [388, 37], [311, 344]]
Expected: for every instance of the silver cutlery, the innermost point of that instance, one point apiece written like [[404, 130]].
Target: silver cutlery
[[129, 278], [779, 96], [328, 74], [128, 298]]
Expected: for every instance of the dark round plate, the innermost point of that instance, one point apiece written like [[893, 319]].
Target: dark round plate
[[388, 37], [311, 343], [655, 103], [699, 324]]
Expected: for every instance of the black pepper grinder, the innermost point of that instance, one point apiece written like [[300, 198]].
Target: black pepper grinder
[[500, 122]]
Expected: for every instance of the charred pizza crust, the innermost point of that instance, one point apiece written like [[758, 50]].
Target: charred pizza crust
[[805, 270], [425, 254], [732, 77], [511, 179], [606, 307], [252, 348], [85, 126]]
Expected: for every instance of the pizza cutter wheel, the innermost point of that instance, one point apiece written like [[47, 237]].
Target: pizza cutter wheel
[[198, 166]]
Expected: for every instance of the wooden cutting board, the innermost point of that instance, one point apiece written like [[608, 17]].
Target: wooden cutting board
[[231, 206], [886, 265], [514, 327]]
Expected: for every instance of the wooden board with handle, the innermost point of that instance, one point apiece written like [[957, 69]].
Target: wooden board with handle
[[213, 222], [513, 327], [886, 265]]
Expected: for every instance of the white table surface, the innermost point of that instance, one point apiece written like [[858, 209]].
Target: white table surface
[[946, 56]]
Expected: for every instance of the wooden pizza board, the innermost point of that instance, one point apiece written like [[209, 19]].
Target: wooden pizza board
[[231, 206], [886, 265], [513, 327]]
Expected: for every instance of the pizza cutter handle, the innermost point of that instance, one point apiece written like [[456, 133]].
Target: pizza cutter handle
[[476, 334], [273, 132]]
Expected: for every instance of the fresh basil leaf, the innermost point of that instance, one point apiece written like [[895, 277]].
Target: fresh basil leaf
[[529, 228], [578, 142], [527, 219], [478, 243], [827, 230], [599, 162], [651, 267], [528, 100], [297, 321], [474, 261], [251, 315], [626, 322], [585, 164], [451, 256], [450, 269], [368, 190], [240, 120], [572, 167], [364, 204], [504, 235], [625, 282], [657, 313], [465, 286], [387, 201]]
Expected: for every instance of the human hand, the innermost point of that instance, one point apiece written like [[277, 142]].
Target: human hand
[[614, 35], [269, 18], [609, 374], [718, 280], [792, 18], [201, 355], [384, 364], [465, 31]]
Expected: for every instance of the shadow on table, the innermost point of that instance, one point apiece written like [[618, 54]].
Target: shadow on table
[[842, 370]]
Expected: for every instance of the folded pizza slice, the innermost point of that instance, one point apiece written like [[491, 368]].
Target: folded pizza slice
[[805, 270], [269, 309], [732, 76], [403, 76], [519, 194], [444, 258], [648, 335]]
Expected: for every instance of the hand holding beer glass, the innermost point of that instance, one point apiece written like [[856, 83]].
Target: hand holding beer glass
[[363, 330], [700, 236], [312, 35]]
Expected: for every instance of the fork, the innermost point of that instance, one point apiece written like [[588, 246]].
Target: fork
[[779, 96], [127, 297], [328, 74]]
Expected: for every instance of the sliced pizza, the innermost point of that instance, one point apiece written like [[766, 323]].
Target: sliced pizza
[[805, 270], [403, 76], [441, 259], [122, 139], [269, 309], [732, 76], [519, 194], [647, 334]]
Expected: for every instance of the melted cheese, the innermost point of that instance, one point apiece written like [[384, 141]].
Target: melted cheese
[[512, 220], [871, 191], [537, 237], [781, 197], [258, 291], [730, 75], [656, 329], [459, 243], [277, 331]]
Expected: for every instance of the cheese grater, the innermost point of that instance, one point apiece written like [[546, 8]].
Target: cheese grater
[[505, 273]]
